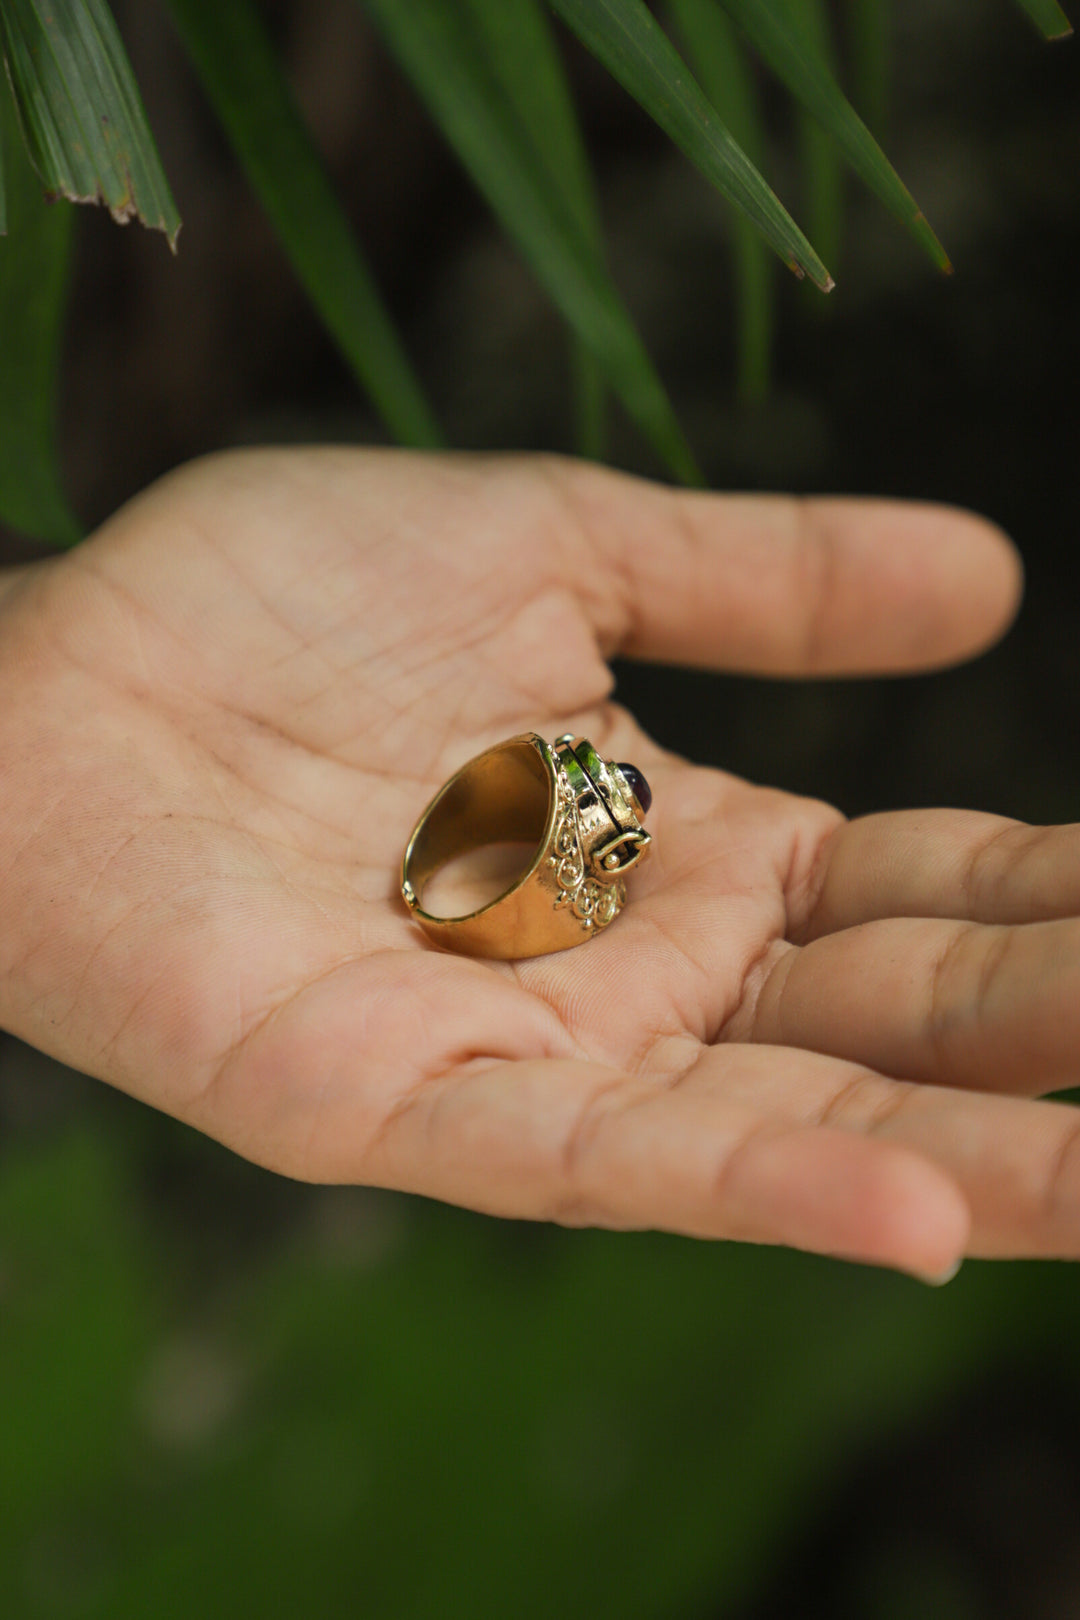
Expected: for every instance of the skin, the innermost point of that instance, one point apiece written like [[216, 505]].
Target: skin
[[224, 713]]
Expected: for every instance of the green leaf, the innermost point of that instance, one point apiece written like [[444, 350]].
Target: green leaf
[[1048, 18], [725, 76], [868, 48], [33, 284], [778, 30], [240, 72], [634, 48], [521, 53], [820, 157], [437, 47], [3, 196], [520, 50], [80, 109], [590, 403]]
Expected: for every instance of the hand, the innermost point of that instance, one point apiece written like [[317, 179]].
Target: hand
[[223, 714]]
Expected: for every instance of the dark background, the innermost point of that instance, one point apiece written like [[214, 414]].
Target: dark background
[[224, 1389]]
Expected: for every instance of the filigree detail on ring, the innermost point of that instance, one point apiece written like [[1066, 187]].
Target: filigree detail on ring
[[593, 904]]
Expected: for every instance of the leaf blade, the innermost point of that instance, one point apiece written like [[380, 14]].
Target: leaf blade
[[521, 52], [3, 191], [627, 39], [721, 65], [820, 157], [437, 51], [1048, 17], [777, 29], [520, 49], [238, 68], [34, 264], [80, 110], [868, 30]]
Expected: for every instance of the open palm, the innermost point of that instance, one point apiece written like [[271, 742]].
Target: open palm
[[224, 713]]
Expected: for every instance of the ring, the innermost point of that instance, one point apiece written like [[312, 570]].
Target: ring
[[580, 815]]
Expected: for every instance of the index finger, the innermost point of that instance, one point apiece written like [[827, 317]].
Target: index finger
[[783, 585]]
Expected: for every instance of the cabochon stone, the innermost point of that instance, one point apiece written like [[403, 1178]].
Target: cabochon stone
[[638, 786]]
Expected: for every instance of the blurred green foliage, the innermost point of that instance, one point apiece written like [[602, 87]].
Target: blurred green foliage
[[402, 1410], [492, 79], [33, 288]]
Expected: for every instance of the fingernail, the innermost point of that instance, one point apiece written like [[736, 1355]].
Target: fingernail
[[941, 1278]]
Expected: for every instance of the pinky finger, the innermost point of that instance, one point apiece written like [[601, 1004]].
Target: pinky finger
[[569, 1141]]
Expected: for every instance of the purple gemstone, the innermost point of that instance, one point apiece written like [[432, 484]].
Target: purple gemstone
[[638, 786]]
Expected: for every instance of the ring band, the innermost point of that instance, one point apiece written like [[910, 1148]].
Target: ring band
[[581, 814]]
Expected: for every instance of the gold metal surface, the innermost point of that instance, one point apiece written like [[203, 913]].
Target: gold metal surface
[[577, 813]]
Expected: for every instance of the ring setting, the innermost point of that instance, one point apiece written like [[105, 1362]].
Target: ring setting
[[581, 818]]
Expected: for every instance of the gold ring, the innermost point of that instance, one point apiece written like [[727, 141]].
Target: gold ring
[[580, 816]]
